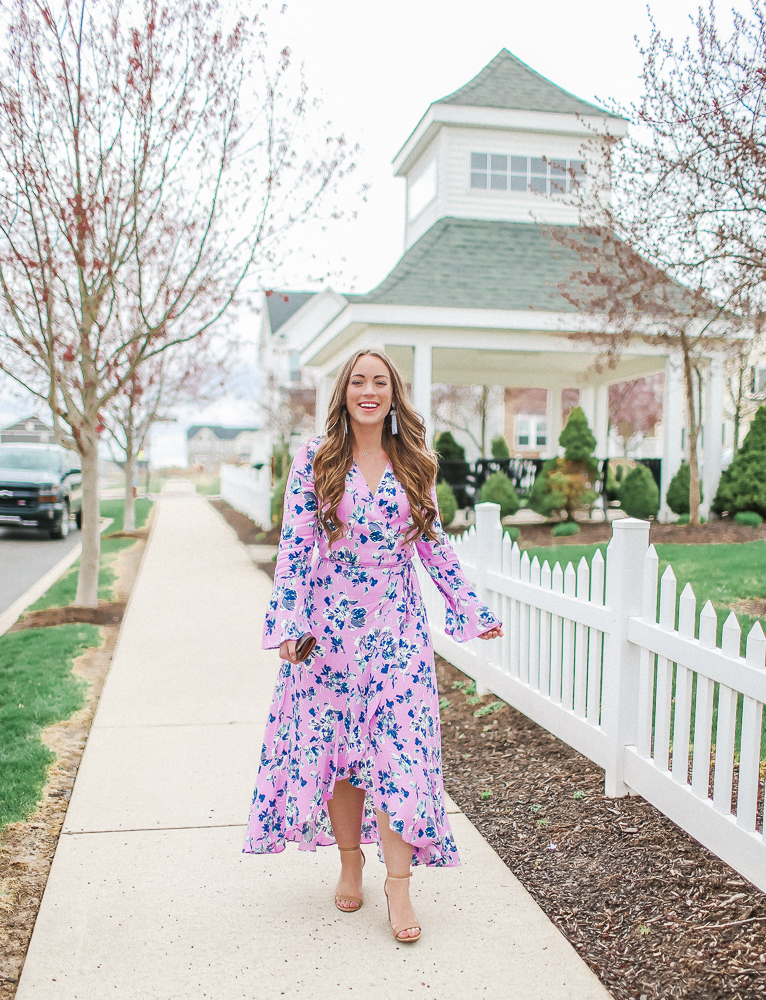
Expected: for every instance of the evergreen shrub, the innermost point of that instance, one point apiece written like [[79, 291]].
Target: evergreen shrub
[[743, 485], [639, 496], [498, 488], [500, 447], [565, 529], [677, 496], [564, 485], [453, 468], [749, 518], [445, 498]]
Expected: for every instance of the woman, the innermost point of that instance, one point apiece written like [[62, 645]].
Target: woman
[[352, 752]]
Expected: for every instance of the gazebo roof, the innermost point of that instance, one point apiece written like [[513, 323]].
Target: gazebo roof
[[479, 264], [507, 82]]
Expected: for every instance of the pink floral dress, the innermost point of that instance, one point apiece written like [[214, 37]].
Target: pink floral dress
[[364, 705]]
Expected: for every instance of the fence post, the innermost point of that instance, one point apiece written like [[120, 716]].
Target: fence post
[[624, 593], [489, 551]]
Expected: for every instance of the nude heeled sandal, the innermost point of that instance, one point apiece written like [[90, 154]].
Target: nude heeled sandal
[[345, 896], [403, 927]]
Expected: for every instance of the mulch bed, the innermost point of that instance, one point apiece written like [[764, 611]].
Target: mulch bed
[[651, 911], [247, 531], [107, 613]]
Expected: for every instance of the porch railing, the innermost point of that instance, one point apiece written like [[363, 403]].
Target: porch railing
[[587, 655]]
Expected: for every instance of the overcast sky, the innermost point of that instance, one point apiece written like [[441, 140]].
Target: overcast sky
[[378, 64]]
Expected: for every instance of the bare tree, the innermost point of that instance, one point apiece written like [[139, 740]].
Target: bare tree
[[190, 372], [152, 160], [635, 407], [462, 408]]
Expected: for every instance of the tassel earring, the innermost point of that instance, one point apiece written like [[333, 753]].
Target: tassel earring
[[394, 425], [345, 422]]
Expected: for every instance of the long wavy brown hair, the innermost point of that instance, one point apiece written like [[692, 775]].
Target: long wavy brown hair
[[413, 462]]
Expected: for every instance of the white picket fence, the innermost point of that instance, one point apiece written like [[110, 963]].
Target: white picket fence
[[586, 655], [248, 490]]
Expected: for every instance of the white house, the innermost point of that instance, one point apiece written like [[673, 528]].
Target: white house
[[209, 445], [474, 299]]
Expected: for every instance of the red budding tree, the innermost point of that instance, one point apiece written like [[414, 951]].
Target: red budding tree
[[153, 159]]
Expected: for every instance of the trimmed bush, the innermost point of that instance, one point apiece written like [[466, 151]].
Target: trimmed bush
[[500, 447], [446, 447], [639, 496], [565, 529], [576, 439], [749, 518], [445, 498], [677, 496], [566, 484], [499, 489], [684, 519], [743, 485]]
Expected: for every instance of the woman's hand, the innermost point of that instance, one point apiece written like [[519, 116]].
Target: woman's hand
[[494, 633], [287, 651]]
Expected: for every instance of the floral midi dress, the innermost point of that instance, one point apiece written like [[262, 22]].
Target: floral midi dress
[[364, 705]]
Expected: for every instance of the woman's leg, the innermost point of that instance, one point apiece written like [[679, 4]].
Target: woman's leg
[[398, 856], [346, 809]]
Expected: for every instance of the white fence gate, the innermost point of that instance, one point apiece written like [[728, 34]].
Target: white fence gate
[[587, 656], [248, 490]]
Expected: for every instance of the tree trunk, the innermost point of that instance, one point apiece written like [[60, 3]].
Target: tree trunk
[[694, 479], [87, 580], [129, 520]]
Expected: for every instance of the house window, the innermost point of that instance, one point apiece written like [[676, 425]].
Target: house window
[[531, 431], [539, 174], [759, 381], [295, 366]]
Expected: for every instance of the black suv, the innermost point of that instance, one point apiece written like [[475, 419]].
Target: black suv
[[40, 487]]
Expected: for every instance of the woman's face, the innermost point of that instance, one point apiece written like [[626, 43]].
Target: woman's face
[[369, 392]]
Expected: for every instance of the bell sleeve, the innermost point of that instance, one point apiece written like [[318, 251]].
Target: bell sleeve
[[466, 616], [289, 613]]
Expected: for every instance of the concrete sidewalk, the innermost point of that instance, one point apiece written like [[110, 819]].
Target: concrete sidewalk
[[149, 896]]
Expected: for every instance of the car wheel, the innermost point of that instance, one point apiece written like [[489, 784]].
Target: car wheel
[[78, 519], [61, 528]]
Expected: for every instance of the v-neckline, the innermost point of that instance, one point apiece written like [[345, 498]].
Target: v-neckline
[[373, 492]]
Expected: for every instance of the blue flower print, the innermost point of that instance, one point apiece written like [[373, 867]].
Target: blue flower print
[[364, 706]]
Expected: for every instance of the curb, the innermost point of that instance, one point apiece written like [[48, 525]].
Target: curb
[[11, 615]]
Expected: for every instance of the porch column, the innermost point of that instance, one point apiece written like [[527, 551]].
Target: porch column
[[713, 433], [553, 421], [588, 407], [601, 421], [672, 426], [422, 371]]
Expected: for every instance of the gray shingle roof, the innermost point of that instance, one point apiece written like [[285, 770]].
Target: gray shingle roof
[[222, 433], [479, 265], [282, 305], [507, 82]]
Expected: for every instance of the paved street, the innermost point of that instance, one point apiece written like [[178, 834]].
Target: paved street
[[25, 556]]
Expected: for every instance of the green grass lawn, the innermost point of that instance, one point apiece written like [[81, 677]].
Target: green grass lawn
[[722, 574], [37, 688], [63, 591]]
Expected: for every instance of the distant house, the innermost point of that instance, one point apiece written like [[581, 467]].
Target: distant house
[[29, 431], [209, 445]]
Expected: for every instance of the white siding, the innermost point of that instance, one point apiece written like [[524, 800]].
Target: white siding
[[455, 197]]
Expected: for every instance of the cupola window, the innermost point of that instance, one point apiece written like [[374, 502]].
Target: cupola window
[[538, 174]]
